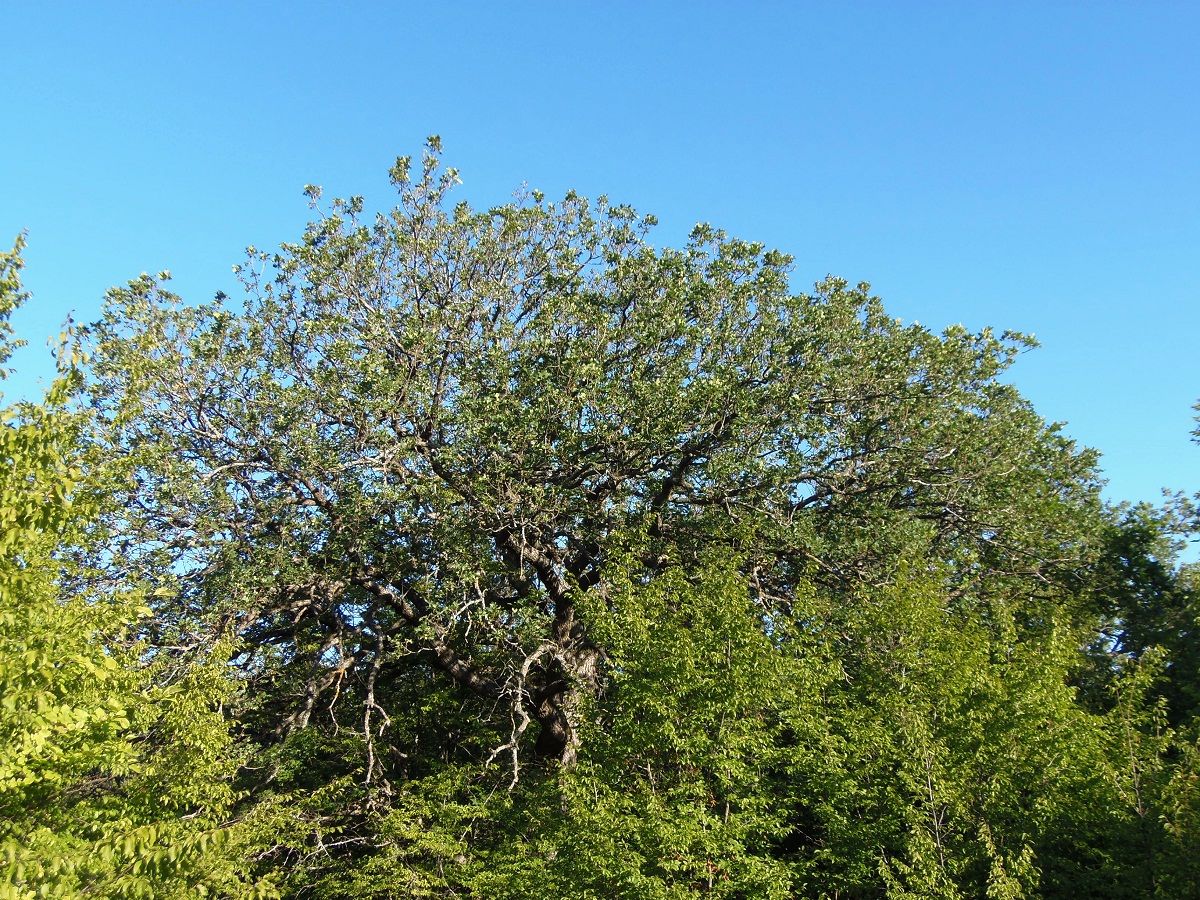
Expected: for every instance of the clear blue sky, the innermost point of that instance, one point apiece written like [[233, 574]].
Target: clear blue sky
[[1033, 166]]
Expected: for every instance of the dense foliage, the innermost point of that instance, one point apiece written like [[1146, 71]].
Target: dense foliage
[[501, 554], [115, 770]]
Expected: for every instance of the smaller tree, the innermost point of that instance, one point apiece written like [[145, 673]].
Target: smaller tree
[[114, 781]]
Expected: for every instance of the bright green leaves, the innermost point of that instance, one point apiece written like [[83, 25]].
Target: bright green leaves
[[114, 776], [942, 760], [684, 739], [11, 297]]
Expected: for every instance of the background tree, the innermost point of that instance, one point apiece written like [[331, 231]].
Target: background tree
[[1144, 600]]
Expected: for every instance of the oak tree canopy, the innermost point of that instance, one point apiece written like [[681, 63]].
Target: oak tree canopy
[[426, 438]]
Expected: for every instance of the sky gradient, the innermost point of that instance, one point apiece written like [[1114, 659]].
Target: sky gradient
[[1033, 166]]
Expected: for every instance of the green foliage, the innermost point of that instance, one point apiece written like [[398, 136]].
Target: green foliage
[[1145, 601], [113, 781], [11, 297], [562, 565], [952, 754]]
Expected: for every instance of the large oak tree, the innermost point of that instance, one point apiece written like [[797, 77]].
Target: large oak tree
[[561, 561]]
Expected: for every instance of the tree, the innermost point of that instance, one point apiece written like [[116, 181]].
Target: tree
[[544, 544], [113, 781], [1146, 603]]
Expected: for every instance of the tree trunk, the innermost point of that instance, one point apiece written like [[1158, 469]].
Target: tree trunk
[[558, 714]]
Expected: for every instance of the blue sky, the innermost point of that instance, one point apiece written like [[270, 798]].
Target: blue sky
[[1033, 166]]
